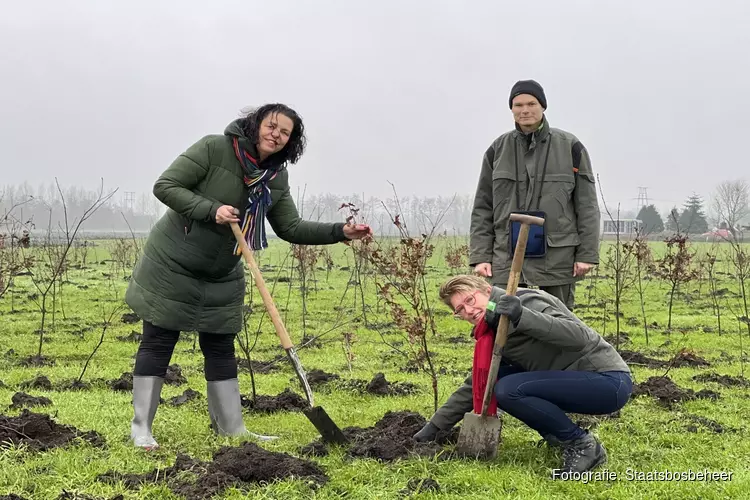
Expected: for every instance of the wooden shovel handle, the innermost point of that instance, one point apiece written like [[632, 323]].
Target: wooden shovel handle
[[504, 324], [286, 342]]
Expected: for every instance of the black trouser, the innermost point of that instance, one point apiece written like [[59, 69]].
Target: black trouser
[[157, 346]]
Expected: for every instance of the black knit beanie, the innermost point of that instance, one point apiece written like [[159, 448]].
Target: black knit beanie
[[530, 87]]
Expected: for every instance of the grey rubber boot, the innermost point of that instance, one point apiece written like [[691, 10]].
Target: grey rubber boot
[[583, 454], [225, 410], [146, 394]]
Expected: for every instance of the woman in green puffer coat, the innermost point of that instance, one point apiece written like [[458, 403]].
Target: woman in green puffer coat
[[190, 278]]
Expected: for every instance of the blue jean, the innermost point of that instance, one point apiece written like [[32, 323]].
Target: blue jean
[[540, 399]]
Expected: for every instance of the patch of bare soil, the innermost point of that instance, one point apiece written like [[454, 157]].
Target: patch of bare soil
[[40, 433], [317, 377], [687, 358], [286, 401], [185, 397], [389, 439], [124, 383], [133, 336], [237, 467], [130, 318], [38, 382], [725, 380], [379, 386], [637, 358], [37, 361], [23, 400], [174, 375], [74, 385], [668, 393]]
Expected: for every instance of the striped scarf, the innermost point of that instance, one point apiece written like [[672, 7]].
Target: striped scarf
[[256, 179]]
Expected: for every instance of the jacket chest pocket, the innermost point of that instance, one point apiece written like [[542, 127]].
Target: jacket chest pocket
[[504, 191], [557, 202]]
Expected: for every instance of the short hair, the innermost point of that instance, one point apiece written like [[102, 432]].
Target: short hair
[[461, 283]]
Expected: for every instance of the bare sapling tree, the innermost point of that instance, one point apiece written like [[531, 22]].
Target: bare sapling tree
[[361, 253], [739, 256], [402, 284], [347, 342], [46, 273], [14, 237], [109, 310], [710, 269], [644, 268], [457, 256], [619, 261], [675, 265], [730, 205], [306, 258]]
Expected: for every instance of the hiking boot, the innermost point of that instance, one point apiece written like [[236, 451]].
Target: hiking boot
[[582, 454], [225, 410], [426, 433], [146, 395]]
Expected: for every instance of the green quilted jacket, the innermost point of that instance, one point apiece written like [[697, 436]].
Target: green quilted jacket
[[188, 278]]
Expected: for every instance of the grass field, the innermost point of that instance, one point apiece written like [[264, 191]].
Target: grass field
[[703, 433]]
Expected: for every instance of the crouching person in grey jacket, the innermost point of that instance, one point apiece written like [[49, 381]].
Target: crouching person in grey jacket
[[552, 363]]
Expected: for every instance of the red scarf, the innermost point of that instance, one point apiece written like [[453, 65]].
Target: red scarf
[[485, 340]]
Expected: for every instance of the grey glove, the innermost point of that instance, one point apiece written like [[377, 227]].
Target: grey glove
[[509, 305], [426, 433]]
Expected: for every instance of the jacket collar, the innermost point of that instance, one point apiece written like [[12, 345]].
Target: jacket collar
[[541, 133]]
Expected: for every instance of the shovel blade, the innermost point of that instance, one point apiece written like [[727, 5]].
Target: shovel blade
[[479, 436], [329, 431], [297, 365]]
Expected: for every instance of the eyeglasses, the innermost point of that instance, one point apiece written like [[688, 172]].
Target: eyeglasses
[[470, 301]]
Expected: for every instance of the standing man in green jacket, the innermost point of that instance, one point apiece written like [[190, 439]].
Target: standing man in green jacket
[[190, 278], [536, 168]]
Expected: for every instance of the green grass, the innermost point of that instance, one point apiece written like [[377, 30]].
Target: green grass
[[646, 437]]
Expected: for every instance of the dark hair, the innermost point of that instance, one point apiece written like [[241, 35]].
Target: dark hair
[[297, 140]]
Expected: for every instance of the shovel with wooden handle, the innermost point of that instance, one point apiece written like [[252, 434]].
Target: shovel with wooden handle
[[480, 433], [328, 429]]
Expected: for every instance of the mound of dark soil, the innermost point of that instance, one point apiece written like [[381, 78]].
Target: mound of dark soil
[[389, 439], [379, 386], [286, 401], [188, 395], [37, 361], [130, 318], [459, 339], [725, 380], [418, 485], [39, 432], [174, 375], [74, 385], [133, 336], [12, 496], [124, 383], [23, 400], [612, 339], [637, 358], [668, 393], [38, 382], [262, 367], [688, 358], [317, 377], [231, 467]]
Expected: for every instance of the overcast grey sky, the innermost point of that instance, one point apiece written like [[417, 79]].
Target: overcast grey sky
[[411, 92]]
